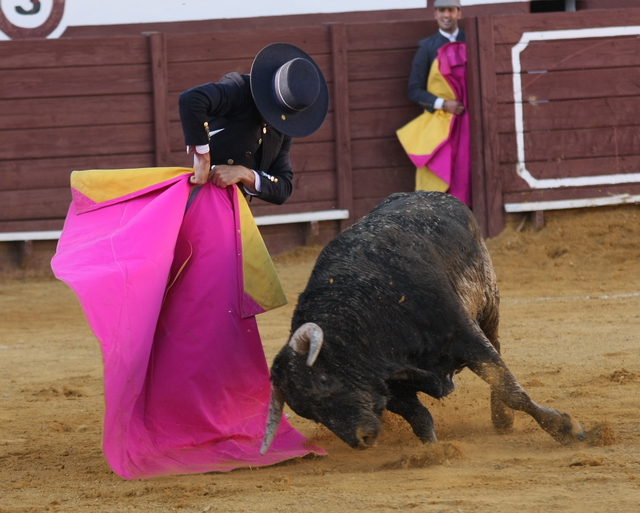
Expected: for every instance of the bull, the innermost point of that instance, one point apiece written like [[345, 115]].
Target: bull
[[397, 304]]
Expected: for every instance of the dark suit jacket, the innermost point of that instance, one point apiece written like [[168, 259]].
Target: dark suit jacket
[[422, 61], [245, 140]]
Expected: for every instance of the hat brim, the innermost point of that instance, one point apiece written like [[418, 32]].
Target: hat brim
[[263, 69]]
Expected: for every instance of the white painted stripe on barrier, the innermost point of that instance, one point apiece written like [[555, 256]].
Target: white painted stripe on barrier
[[47, 235], [533, 206], [302, 217]]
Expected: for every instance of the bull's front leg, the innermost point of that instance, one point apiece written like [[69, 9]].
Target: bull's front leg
[[485, 361], [404, 402]]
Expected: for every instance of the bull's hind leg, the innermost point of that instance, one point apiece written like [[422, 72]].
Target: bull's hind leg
[[485, 361], [502, 416], [506, 389]]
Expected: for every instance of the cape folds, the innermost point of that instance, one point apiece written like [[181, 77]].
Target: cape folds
[[171, 296]]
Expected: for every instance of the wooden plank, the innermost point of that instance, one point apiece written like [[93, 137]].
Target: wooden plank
[[609, 4], [393, 35], [377, 65], [573, 144], [185, 75], [383, 181], [509, 29], [581, 167], [209, 46], [344, 170], [378, 94], [317, 186], [560, 55], [75, 111], [492, 178], [35, 204], [381, 123], [158, 53], [77, 81], [476, 121], [572, 85], [76, 141], [62, 53], [373, 153], [307, 157], [54, 173], [31, 225], [566, 115]]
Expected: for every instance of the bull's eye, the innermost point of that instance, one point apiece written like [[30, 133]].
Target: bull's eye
[[323, 381]]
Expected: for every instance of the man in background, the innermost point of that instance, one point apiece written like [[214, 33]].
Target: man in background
[[447, 13]]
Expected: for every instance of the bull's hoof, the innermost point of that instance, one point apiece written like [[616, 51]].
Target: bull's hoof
[[503, 420], [427, 437], [570, 432]]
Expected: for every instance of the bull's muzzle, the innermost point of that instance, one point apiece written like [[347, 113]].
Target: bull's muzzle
[[366, 437]]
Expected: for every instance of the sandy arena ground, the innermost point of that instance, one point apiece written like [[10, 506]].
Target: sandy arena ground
[[570, 333]]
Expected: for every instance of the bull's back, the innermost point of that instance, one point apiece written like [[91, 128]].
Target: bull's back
[[425, 241], [424, 224]]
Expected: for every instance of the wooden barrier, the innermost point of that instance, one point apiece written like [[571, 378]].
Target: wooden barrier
[[553, 101], [559, 107]]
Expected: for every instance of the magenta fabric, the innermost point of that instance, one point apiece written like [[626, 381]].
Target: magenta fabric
[[185, 376], [452, 161]]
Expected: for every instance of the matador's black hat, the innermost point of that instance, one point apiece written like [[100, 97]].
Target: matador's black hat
[[289, 89]]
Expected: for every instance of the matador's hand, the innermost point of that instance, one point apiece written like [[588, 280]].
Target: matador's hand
[[201, 165], [224, 176], [453, 106]]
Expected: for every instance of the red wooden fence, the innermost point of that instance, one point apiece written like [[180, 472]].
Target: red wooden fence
[[560, 99], [566, 133], [112, 103]]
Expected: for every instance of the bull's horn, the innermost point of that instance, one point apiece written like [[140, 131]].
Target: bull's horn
[[276, 406], [308, 338]]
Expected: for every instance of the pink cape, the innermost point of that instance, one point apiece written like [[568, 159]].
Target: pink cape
[[453, 162], [185, 376]]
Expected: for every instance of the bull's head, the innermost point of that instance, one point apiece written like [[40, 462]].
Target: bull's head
[[348, 405]]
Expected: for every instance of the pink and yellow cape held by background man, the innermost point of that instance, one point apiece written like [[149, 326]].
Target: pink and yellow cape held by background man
[[171, 293], [438, 143]]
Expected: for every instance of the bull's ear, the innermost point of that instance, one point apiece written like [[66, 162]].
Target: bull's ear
[[307, 339]]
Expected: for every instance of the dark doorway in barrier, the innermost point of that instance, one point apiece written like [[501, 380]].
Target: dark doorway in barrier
[[549, 5]]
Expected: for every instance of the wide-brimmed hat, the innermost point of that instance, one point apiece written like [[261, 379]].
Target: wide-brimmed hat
[[289, 89], [448, 3]]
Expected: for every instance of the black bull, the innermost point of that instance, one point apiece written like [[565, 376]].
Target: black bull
[[397, 304]]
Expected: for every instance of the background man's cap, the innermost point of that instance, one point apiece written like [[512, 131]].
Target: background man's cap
[[448, 3], [289, 89]]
